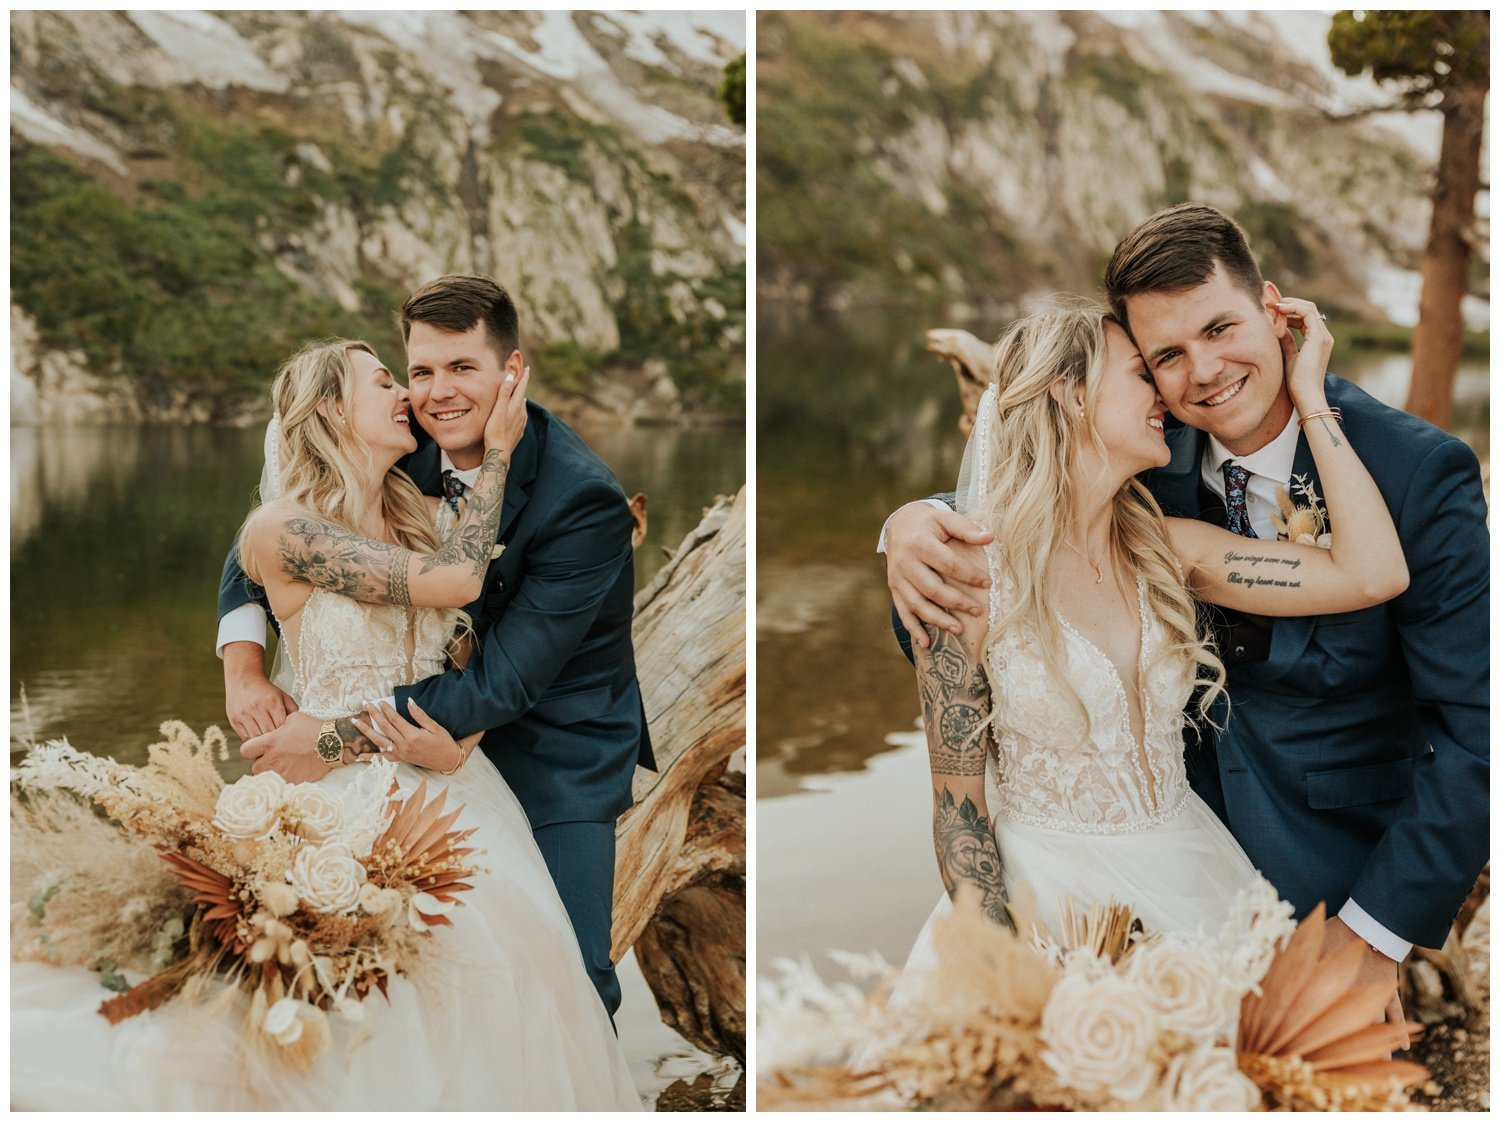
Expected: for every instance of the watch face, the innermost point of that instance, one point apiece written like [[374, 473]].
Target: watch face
[[330, 747]]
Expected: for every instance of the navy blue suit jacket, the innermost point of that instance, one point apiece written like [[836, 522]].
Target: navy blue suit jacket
[[1354, 758], [552, 680]]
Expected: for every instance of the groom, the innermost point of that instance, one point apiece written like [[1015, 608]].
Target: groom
[[552, 680], [1353, 762]]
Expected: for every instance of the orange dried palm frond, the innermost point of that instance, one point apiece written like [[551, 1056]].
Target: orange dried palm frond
[[215, 893], [420, 843], [1309, 1032]]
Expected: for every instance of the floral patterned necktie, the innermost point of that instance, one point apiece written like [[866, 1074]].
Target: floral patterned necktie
[[1237, 517], [454, 491]]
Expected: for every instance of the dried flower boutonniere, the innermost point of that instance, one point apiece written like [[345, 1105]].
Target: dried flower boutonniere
[[1305, 525]]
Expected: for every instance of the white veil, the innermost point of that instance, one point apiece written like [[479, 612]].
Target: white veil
[[270, 472], [978, 467], [270, 490]]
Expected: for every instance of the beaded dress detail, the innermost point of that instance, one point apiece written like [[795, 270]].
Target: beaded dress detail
[[1052, 768]]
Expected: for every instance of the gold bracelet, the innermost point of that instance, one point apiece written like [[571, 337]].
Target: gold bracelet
[[463, 758], [1336, 414]]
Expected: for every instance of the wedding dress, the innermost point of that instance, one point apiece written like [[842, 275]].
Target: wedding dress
[[1080, 808], [502, 1016]]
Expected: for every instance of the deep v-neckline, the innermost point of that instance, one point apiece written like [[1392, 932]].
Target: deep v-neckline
[[1143, 699], [1140, 646]]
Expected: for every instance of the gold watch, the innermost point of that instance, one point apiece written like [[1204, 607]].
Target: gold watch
[[330, 744]]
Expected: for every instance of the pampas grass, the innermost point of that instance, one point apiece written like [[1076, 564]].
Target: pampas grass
[[66, 908]]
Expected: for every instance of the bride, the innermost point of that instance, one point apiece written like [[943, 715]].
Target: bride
[[1055, 737], [366, 576]]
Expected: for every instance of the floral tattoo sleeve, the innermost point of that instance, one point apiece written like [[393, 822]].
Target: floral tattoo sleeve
[[322, 553], [955, 702]]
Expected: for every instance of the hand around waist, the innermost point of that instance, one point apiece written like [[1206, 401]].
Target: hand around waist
[[290, 750]]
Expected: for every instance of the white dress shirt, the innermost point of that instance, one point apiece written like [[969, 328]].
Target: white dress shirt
[[1270, 467]]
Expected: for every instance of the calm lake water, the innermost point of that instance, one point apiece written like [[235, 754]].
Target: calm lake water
[[855, 419], [117, 538]]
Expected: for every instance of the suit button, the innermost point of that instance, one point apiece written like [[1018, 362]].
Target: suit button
[[1239, 652]]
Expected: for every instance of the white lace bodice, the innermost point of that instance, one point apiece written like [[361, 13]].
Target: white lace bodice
[[348, 653], [1050, 769]]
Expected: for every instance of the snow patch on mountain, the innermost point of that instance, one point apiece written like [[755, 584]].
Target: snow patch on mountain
[[41, 127], [207, 50]]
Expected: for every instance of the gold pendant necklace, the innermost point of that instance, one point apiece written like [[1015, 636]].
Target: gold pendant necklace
[[1098, 572]]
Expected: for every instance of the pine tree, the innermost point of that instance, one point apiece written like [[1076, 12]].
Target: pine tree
[[1439, 60]]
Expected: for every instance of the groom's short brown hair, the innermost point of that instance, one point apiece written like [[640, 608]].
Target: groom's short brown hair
[[460, 300], [1176, 249]]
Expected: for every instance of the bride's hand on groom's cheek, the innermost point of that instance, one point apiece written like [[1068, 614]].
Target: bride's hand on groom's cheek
[[507, 420]]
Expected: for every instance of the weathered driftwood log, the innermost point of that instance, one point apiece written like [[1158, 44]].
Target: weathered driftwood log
[[638, 513], [1433, 980], [680, 866], [971, 359]]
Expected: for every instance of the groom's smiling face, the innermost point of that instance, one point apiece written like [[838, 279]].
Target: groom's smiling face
[[1215, 352], [455, 377]]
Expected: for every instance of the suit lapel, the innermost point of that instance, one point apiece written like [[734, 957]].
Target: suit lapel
[[523, 471], [1176, 485], [1293, 633], [425, 469]]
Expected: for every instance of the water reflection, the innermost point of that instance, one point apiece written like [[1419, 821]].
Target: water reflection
[[53, 471], [856, 418]]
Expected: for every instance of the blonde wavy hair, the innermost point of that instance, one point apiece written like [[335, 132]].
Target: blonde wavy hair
[[1029, 496], [320, 458]]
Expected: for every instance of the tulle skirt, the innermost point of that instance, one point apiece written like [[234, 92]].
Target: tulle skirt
[[501, 1017], [1180, 875]]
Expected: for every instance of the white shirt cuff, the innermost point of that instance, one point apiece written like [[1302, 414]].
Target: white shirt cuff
[[880, 545], [246, 624], [1367, 928]]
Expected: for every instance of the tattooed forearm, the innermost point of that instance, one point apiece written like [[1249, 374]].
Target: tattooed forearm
[[400, 584], [1332, 431], [1253, 581], [968, 854], [356, 743], [322, 553], [1233, 556], [327, 555], [474, 536], [955, 700]]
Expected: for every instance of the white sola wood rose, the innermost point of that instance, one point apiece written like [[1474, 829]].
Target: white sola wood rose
[[1099, 1030], [1185, 987], [319, 816], [327, 878], [1208, 1079], [250, 808], [283, 1022]]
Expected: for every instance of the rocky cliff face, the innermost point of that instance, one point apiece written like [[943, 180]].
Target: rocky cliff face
[[272, 176], [978, 158]]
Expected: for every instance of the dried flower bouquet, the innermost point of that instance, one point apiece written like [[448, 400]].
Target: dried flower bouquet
[[303, 897], [1253, 1017]]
